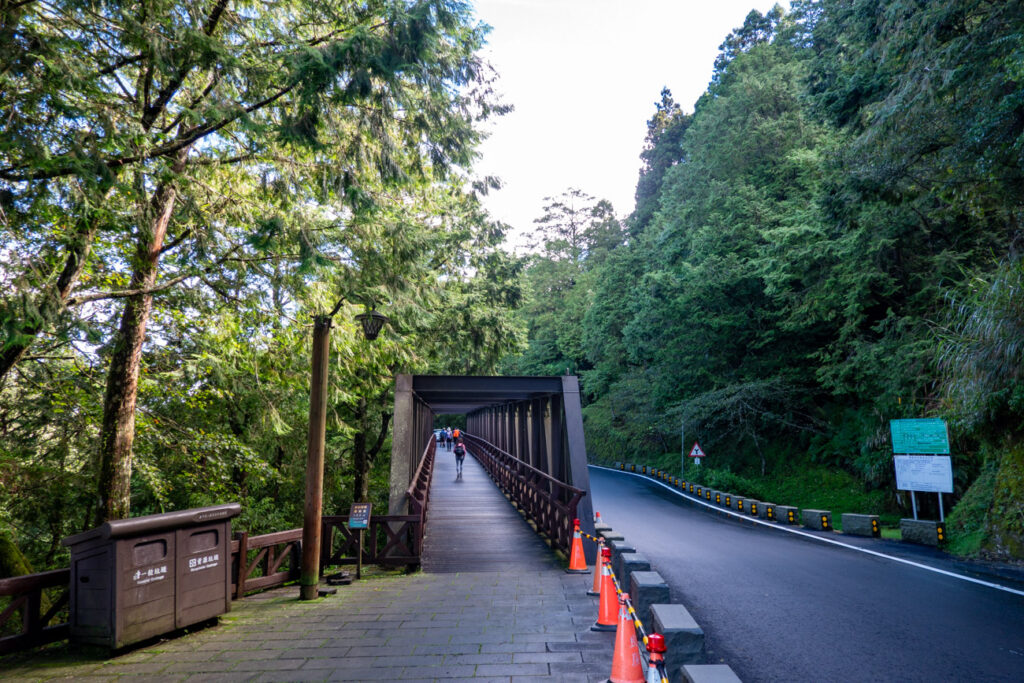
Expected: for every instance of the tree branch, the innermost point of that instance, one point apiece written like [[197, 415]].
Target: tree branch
[[125, 293], [195, 134], [170, 89]]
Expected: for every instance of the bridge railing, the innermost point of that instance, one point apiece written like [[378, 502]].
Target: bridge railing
[[418, 492], [548, 502]]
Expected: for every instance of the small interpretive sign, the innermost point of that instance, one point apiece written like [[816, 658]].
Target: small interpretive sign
[[359, 516]]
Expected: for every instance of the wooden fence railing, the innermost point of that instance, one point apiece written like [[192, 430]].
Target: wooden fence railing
[[276, 560], [36, 610], [549, 503], [31, 599], [392, 540]]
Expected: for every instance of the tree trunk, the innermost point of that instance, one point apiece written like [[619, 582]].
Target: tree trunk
[[360, 458], [118, 430]]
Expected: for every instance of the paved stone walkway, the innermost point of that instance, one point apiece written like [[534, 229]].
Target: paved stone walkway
[[524, 620]]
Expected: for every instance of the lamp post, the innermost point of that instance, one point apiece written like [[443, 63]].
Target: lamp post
[[371, 322]]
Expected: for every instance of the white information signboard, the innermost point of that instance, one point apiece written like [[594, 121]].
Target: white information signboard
[[924, 473]]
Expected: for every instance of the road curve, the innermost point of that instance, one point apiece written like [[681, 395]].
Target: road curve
[[780, 607]]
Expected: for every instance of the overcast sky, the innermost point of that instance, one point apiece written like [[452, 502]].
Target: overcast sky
[[584, 76]]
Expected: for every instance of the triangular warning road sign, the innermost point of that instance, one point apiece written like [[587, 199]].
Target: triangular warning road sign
[[696, 452]]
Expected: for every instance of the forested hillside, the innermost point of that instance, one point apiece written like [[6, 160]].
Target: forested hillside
[[830, 240], [183, 187]]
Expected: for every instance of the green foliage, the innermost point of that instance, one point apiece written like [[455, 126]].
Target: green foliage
[[829, 241], [967, 524], [318, 155], [578, 233], [1005, 535]]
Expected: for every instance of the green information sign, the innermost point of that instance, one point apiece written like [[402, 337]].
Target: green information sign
[[924, 436]]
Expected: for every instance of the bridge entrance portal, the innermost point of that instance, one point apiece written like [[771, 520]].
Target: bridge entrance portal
[[536, 419]]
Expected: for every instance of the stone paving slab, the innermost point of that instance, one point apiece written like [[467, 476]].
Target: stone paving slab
[[483, 626]]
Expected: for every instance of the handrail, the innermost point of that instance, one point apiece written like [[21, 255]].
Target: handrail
[[273, 549], [418, 492], [26, 593], [546, 501]]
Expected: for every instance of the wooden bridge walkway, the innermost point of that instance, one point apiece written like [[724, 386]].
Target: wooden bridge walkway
[[472, 527]]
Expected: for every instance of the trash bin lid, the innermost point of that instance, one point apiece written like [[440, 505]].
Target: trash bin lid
[[148, 524]]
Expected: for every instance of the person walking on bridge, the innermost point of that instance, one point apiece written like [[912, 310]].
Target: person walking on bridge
[[460, 456]]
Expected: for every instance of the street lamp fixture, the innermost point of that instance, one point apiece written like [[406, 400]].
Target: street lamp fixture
[[372, 322]]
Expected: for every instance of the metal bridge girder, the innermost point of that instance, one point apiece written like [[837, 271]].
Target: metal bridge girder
[[536, 419]]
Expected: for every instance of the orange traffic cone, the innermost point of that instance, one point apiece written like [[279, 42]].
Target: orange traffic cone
[[655, 655], [607, 602], [597, 517], [577, 561], [596, 590], [626, 666]]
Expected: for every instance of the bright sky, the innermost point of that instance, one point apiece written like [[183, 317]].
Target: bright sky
[[584, 76]]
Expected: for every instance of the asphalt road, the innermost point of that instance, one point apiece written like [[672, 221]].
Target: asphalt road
[[776, 606]]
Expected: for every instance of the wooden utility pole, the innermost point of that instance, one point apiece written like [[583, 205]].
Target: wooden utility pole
[[311, 521]]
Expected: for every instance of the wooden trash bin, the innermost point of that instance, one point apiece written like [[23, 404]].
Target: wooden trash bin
[[136, 578]]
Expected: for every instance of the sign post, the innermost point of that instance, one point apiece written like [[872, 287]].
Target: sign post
[[359, 518], [682, 450], [921, 457], [696, 453]]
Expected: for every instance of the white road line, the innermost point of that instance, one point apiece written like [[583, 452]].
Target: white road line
[[778, 527]]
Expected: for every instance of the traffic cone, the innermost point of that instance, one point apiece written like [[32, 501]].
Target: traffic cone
[[655, 655], [597, 518], [626, 666], [607, 602], [577, 561], [596, 590]]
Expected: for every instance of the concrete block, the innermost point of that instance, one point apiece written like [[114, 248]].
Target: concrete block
[[861, 525], [739, 504], [610, 535], [699, 492], [601, 526], [709, 673], [922, 531], [762, 509], [647, 588], [684, 638], [627, 564], [769, 512], [754, 507], [818, 520], [619, 465], [618, 548], [787, 514]]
